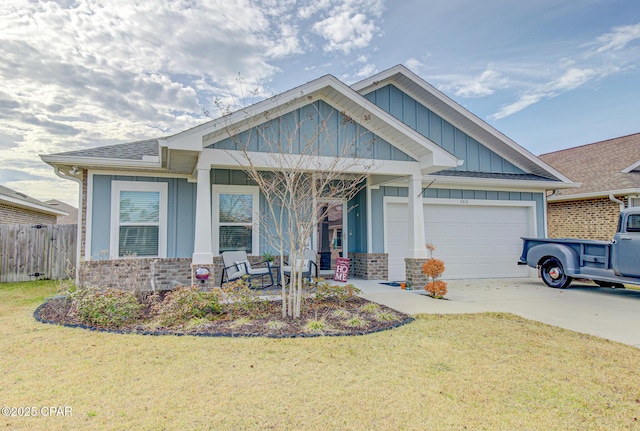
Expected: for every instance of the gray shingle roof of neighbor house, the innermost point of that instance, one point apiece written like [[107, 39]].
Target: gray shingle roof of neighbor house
[[601, 167], [127, 151], [14, 198]]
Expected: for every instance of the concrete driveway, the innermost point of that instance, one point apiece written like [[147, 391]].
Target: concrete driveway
[[613, 314]]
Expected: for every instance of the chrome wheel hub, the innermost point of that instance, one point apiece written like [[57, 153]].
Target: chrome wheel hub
[[555, 273]]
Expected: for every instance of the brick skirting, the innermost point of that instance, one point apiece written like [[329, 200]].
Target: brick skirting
[[369, 266]]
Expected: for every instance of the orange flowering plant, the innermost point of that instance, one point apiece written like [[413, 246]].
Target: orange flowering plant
[[433, 269]]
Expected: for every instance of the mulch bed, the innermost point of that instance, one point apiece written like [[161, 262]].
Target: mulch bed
[[57, 310]]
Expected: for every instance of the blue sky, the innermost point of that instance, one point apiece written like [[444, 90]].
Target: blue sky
[[549, 74]]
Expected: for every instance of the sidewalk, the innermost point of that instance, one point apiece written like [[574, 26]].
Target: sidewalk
[[613, 314]]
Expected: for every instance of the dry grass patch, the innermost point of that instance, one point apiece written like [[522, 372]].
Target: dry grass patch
[[485, 371]]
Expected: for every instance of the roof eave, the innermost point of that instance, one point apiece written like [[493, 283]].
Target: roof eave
[[440, 181], [594, 195], [147, 162], [32, 206]]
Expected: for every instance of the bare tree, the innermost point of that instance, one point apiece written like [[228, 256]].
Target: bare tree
[[298, 159]]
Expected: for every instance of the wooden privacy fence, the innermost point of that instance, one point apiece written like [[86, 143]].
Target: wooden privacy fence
[[37, 251]]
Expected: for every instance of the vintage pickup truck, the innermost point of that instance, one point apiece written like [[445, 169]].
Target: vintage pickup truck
[[608, 263]]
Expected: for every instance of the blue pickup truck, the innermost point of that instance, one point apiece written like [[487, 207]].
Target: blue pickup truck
[[608, 263]]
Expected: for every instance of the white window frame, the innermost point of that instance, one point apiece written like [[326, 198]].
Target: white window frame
[[254, 191], [118, 186]]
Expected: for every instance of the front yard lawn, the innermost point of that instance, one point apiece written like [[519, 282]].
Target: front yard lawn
[[485, 371]]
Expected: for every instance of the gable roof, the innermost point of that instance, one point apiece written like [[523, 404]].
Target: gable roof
[[180, 153], [602, 168], [338, 95], [457, 115], [18, 199]]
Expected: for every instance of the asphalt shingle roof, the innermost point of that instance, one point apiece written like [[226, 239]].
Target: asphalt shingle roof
[[19, 196], [128, 151], [598, 166]]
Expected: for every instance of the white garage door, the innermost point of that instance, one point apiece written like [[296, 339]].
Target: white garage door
[[474, 240]]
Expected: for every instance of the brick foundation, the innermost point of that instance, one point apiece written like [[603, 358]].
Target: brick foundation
[[369, 266], [136, 274]]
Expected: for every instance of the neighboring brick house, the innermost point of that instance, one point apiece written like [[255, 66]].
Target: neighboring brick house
[[609, 174], [71, 218], [16, 207]]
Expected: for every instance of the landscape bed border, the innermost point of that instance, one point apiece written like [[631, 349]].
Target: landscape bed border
[[37, 317]]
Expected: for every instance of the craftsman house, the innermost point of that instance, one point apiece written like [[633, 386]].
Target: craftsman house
[[437, 174]]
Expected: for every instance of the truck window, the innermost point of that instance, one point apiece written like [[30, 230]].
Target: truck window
[[633, 223]]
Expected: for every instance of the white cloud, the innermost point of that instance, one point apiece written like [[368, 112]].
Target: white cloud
[[85, 73], [482, 85], [618, 38], [347, 25], [523, 102]]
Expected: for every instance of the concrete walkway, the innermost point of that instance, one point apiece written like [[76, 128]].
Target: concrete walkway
[[613, 314]]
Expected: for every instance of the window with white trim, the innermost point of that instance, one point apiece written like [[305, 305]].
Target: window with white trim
[[235, 218], [138, 219]]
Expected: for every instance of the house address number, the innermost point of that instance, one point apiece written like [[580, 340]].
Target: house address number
[[464, 201]]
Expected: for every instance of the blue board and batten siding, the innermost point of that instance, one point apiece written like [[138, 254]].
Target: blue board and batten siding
[[317, 129], [180, 218], [477, 157]]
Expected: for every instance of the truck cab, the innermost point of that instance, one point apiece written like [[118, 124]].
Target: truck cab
[[625, 252]]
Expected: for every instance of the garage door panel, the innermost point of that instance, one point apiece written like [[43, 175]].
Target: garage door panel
[[474, 241]]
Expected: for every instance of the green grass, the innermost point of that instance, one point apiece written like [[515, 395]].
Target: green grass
[[486, 371]]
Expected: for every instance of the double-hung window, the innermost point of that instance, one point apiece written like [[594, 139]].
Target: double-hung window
[[138, 219], [235, 218]]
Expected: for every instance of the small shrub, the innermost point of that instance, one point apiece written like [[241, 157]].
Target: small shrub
[[275, 325], [437, 288], [370, 307], [241, 299], [316, 325], [356, 322], [240, 321], [433, 269], [112, 308], [332, 292], [197, 322], [341, 314], [385, 317], [185, 303]]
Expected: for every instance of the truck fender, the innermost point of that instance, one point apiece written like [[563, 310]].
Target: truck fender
[[569, 258]]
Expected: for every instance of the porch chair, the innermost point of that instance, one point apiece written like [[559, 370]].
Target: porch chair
[[308, 263], [236, 266]]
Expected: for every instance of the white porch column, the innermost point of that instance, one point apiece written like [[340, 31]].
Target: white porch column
[[416, 240], [202, 250]]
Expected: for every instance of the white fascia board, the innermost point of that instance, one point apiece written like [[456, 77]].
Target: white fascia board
[[44, 208], [633, 167], [593, 195], [441, 181], [148, 162], [377, 80]]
